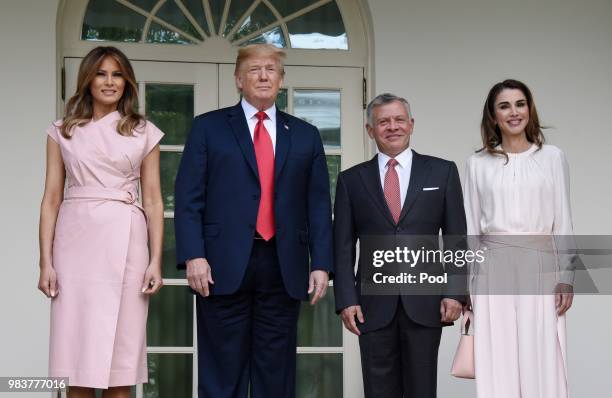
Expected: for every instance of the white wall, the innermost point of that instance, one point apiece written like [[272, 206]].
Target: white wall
[[27, 105], [444, 55]]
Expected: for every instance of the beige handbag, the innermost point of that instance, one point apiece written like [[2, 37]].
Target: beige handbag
[[463, 363]]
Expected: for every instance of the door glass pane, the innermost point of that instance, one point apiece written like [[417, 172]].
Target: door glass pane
[[285, 7], [216, 9], [170, 320], [319, 375], [333, 168], [260, 18], [273, 36], [281, 100], [158, 34], [320, 28], [168, 166], [169, 254], [172, 14], [111, 21], [170, 108], [236, 11], [196, 9], [146, 5], [321, 108], [319, 326], [170, 375]]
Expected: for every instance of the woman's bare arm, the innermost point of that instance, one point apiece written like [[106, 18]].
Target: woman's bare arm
[[49, 208], [154, 209]]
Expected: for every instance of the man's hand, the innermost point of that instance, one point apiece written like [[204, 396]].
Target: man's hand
[[450, 309], [348, 318], [319, 280], [199, 275], [564, 296]]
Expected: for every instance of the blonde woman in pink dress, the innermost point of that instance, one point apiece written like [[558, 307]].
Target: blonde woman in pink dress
[[517, 201], [100, 232]]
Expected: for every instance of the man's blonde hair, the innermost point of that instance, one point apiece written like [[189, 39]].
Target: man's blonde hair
[[260, 50]]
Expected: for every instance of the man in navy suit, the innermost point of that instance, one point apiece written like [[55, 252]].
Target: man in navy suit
[[398, 192], [252, 208]]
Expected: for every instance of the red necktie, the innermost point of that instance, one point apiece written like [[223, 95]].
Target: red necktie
[[264, 152], [392, 190]]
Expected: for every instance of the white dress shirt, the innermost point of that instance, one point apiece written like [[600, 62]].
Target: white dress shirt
[[403, 170], [270, 123]]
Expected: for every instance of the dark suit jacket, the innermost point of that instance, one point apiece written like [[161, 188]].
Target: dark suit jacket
[[361, 210], [217, 198]]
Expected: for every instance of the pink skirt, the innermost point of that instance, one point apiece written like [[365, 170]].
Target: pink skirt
[[98, 319]]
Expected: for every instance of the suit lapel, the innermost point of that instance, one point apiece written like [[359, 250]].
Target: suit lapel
[[418, 175], [371, 179], [241, 131], [283, 141]]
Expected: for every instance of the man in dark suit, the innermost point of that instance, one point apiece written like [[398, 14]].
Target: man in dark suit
[[252, 203], [398, 192]]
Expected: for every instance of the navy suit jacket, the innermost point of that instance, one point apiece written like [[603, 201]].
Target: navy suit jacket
[[361, 210], [217, 195]]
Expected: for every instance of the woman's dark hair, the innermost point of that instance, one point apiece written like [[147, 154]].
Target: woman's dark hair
[[491, 134], [79, 109]]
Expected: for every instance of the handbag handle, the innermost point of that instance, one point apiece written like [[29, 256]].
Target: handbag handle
[[466, 322]]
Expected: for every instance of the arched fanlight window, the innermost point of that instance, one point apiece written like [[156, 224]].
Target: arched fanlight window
[[309, 24]]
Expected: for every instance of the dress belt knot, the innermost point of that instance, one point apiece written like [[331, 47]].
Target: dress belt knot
[[82, 192]]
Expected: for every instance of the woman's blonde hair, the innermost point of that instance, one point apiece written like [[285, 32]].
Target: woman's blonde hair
[[79, 109]]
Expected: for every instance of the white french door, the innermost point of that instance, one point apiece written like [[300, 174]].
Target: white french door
[[171, 94]]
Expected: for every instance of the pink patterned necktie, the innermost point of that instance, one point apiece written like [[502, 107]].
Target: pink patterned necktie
[[392, 190], [264, 153]]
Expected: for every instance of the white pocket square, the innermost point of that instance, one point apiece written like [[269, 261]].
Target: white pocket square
[[430, 188]]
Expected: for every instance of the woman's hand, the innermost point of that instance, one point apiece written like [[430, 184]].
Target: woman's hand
[[564, 296], [47, 283], [152, 280]]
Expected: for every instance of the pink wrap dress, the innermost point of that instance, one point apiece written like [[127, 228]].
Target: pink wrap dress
[[100, 254]]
